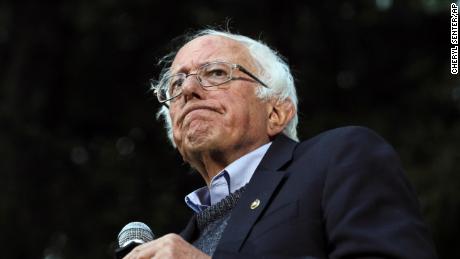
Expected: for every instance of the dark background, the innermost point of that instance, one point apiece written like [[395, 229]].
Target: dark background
[[81, 153]]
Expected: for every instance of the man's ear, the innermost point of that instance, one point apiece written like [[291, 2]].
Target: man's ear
[[280, 114]]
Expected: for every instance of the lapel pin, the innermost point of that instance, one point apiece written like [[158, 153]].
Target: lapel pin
[[255, 204]]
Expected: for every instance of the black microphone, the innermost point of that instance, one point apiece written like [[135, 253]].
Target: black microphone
[[132, 235]]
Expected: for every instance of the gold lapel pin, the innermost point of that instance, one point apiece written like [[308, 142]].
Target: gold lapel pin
[[255, 204]]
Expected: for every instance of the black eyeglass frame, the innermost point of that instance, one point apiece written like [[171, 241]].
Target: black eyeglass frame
[[232, 65]]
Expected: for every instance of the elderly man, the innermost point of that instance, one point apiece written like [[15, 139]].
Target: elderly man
[[231, 110]]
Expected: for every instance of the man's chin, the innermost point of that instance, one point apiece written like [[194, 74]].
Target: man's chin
[[198, 142]]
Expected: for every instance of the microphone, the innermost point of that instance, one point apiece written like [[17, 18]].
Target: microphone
[[132, 235]]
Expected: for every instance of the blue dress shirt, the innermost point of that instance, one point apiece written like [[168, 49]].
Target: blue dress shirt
[[234, 176]]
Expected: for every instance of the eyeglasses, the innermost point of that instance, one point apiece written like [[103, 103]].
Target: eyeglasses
[[209, 75]]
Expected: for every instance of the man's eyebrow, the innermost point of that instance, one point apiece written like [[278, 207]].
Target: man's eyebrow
[[186, 69], [177, 71]]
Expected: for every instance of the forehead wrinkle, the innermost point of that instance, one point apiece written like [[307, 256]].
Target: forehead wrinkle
[[205, 49]]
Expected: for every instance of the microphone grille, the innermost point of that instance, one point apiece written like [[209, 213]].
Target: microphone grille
[[135, 232]]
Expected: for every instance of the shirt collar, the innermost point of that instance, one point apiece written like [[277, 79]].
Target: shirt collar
[[233, 177]]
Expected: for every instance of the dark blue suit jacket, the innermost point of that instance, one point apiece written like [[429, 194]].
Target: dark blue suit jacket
[[341, 194]]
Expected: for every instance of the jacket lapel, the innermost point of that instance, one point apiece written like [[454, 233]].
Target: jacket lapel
[[190, 232], [260, 189]]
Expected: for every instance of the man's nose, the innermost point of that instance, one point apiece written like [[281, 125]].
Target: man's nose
[[191, 87]]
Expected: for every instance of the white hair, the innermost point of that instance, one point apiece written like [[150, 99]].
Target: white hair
[[272, 70]]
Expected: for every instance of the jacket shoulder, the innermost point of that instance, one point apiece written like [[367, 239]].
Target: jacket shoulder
[[344, 139]]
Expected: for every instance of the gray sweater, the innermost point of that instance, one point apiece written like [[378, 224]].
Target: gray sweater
[[213, 220]]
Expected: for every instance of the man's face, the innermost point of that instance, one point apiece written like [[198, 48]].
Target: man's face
[[228, 119]]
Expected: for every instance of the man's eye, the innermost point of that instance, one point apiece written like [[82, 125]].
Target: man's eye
[[175, 84], [216, 73]]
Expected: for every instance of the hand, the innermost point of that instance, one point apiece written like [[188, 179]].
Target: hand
[[168, 246]]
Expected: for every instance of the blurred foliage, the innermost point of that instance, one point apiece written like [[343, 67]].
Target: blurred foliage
[[81, 153]]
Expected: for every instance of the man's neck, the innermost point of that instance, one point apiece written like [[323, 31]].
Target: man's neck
[[210, 163]]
